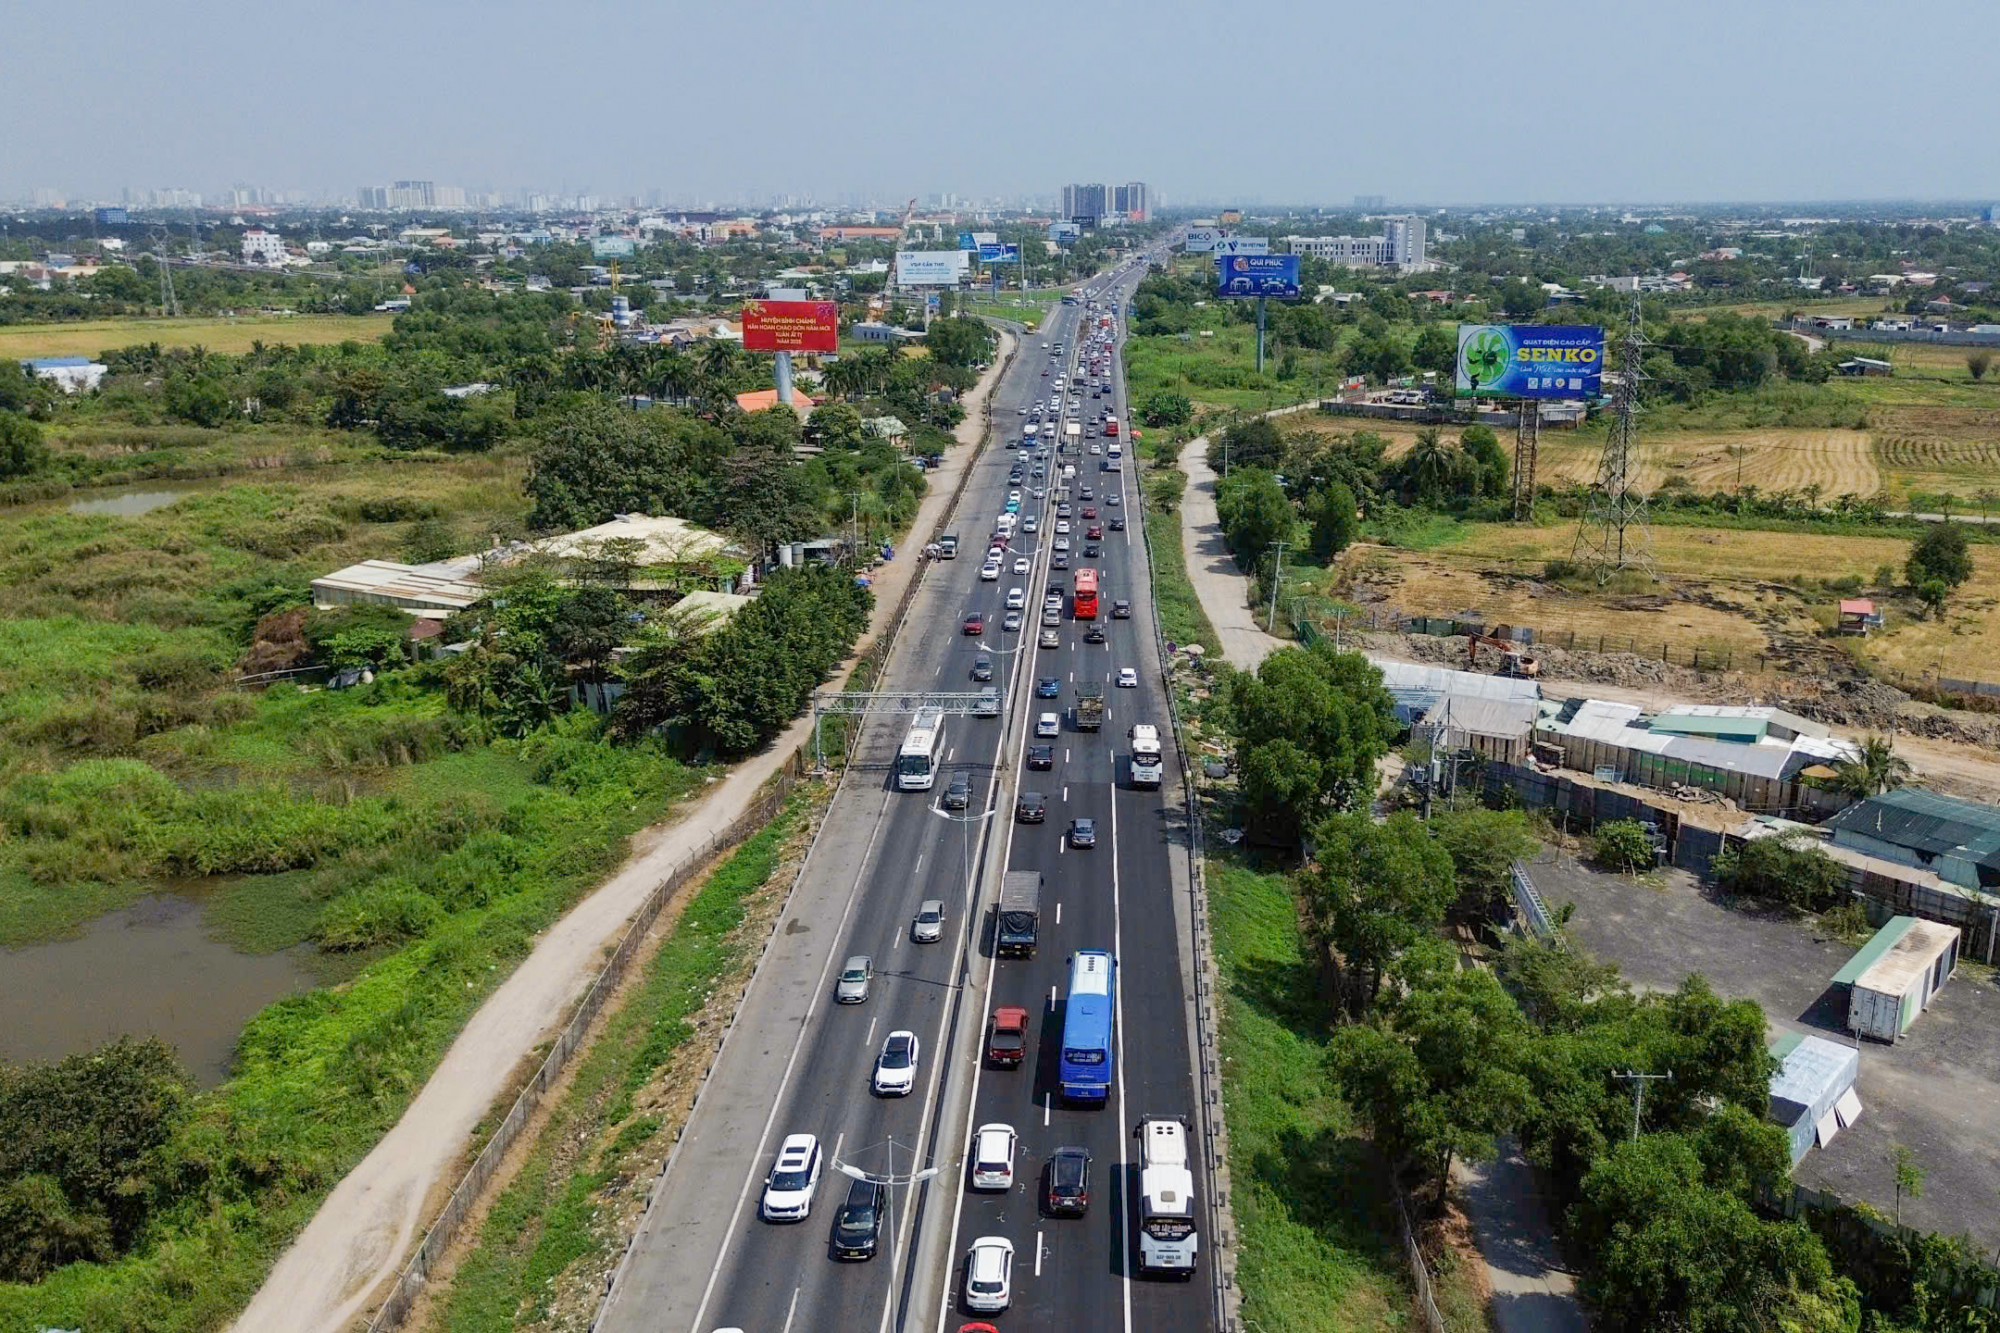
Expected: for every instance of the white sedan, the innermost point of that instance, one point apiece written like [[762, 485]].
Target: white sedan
[[1020, 564], [1062, 527], [896, 1066], [993, 1157], [990, 572], [1128, 678], [1017, 599], [989, 1275]]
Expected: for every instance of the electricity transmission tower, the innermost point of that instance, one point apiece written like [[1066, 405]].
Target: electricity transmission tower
[[170, 305], [1615, 532]]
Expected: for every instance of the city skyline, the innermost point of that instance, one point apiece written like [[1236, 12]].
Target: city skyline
[[1704, 103]]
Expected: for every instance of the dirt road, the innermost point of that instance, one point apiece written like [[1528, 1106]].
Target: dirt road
[[360, 1236]]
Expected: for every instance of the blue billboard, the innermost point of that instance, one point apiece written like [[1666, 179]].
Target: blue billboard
[[1531, 360], [965, 241], [1257, 275], [999, 254]]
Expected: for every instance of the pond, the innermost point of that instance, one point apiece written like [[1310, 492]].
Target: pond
[[151, 969], [126, 503]]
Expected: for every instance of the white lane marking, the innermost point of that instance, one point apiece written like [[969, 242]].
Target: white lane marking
[[1065, 793], [868, 1042], [1038, 1251], [950, 754], [1118, 952], [1052, 999], [1058, 914], [785, 1079], [1047, 1099], [792, 1311]]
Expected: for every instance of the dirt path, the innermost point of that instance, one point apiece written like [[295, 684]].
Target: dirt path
[[1221, 588], [359, 1237]]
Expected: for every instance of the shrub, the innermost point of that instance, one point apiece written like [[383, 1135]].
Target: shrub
[[1623, 845], [1939, 554], [1791, 872]]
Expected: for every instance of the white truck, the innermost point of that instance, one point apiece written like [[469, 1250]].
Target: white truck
[[1073, 434], [1168, 1239], [1146, 763]]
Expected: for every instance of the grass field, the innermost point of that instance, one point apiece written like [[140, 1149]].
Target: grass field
[[1027, 307], [1181, 618], [218, 333]]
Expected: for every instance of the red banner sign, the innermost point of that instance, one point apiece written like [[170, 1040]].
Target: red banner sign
[[791, 326]]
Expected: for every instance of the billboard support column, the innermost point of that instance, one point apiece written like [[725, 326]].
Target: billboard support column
[[1527, 440], [784, 368], [1260, 335]]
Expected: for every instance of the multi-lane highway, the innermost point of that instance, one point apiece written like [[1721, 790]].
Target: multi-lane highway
[[799, 1063]]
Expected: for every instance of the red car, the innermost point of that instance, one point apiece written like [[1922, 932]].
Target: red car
[[975, 623], [1007, 1039], [1095, 532], [1090, 511]]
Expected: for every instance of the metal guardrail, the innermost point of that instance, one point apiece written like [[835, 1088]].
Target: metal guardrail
[[1528, 901], [1223, 1291]]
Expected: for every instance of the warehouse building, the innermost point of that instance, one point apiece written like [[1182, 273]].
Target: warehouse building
[[1958, 840], [1762, 758]]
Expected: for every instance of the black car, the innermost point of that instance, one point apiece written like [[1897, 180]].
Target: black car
[[1048, 687], [1068, 1193], [1121, 610], [859, 1222], [1031, 807], [1117, 523], [1060, 560], [1095, 634], [1042, 757], [958, 794], [982, 668], [1091, 550]]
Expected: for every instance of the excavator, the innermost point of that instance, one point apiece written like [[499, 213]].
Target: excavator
[[1514, 662]]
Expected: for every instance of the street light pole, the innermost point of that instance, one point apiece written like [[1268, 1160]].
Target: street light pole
[[889, 1180]]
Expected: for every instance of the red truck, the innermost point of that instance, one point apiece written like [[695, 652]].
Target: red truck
[[1007, 1040]]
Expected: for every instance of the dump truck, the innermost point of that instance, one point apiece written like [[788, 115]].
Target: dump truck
[[1020, 914], [1089, 706]]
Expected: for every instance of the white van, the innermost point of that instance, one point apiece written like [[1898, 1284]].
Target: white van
[[1116, 450]]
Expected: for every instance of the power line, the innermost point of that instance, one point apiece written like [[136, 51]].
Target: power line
[[1614, 533]]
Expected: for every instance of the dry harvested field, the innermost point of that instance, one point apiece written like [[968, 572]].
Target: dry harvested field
[[218, 334], [1911, 447]]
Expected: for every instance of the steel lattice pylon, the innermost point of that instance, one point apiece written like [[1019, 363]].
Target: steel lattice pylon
[[1616, 530]]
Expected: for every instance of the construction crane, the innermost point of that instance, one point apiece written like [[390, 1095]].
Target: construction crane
[[1514, 662]]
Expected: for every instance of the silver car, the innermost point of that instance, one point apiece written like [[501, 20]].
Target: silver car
[[928, 928], [855, 975]]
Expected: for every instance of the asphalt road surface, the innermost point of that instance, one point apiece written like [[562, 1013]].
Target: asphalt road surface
[[798, 1063]]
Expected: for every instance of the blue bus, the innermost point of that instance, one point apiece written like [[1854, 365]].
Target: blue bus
[[1085, 1071]]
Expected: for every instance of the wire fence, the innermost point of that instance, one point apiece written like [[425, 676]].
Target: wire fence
[[1420, 1272]]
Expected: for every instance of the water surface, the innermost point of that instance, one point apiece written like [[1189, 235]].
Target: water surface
[[125, 504]]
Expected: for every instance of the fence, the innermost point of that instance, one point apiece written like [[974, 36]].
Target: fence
[[444, 1229], [396, 1308], [1223, 1292], [1528, 900], [1420, 1272]]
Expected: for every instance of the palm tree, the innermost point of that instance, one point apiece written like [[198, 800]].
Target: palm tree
[[1878, 768], [1430, 462]]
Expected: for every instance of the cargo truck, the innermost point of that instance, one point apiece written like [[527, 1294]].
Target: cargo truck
[[948, 546], [1020, 914], [1089, 706], [1007, 1040], [1146, 763]]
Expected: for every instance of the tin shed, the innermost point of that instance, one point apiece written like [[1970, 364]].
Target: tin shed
[[1894, 976], [1812, 1094]]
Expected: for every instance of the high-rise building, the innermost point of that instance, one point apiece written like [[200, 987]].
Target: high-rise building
[[1403, 242], [1131, 201], [1370, 203], [1085, 203]]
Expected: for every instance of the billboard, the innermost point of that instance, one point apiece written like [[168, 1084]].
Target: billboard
[[1243, 245], [995, 253], [1257, 275], [1531, 360], [791, 326], [966, 241], [930, 268], [1201, 240]]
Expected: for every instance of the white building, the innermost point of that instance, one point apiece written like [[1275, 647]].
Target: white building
[[1401, 246], [263, 247]]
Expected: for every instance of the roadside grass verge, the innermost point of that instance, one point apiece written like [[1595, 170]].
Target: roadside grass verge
[[550, 1222], [1312, 1202], [1182, 621]]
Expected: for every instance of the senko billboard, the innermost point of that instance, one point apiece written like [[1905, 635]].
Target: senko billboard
[[1257, 275], [1531, 360], [791, 326]]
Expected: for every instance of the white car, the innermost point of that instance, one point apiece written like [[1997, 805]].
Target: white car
[[896, 1066], [1048, 724], [1128, 678], [927, 927], [1030, 524], [1016, 599], [1062, 544], [788, 1190], [1020, 411], [1096, 448], [1062, 527], [990, 572], [1020, 566], [993, 1157], [989, 1275]]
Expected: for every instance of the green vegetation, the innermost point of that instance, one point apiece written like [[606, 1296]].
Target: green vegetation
[[1182, 621], [1622, 845], [1309, 727], [1790, 872], [547, 1219]]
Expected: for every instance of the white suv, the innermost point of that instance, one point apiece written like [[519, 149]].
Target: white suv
[[788, 1190], [993, 1157], [989, 1275]]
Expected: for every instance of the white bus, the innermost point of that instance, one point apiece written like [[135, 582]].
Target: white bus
[[1168, 1239], [922, 753]]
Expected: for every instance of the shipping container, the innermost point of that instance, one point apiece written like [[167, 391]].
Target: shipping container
[[1893, 977]]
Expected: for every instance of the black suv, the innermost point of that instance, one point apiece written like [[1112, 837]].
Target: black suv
[[958, 793], [1041, 756], [859, 1221], [1031, 808], [1068, 1183], [1095, 634]]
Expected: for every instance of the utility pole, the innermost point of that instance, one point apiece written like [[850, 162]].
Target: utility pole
[[1638, 1082], [1277, 582]]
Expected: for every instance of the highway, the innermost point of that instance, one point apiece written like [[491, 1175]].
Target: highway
[[798, 1063]]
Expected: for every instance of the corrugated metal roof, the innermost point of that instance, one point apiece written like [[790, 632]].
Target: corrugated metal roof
[[403, 584], [1878, 945], [1509, 718], [1750, 728], [1908, 958], [1812, 1071], [1927, 823]]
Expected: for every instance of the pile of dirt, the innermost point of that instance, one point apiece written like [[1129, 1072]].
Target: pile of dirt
[[1872, 705], [279, 643], [1623, 669]]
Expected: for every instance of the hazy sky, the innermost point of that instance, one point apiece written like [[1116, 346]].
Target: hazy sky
[[1278, 100]]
